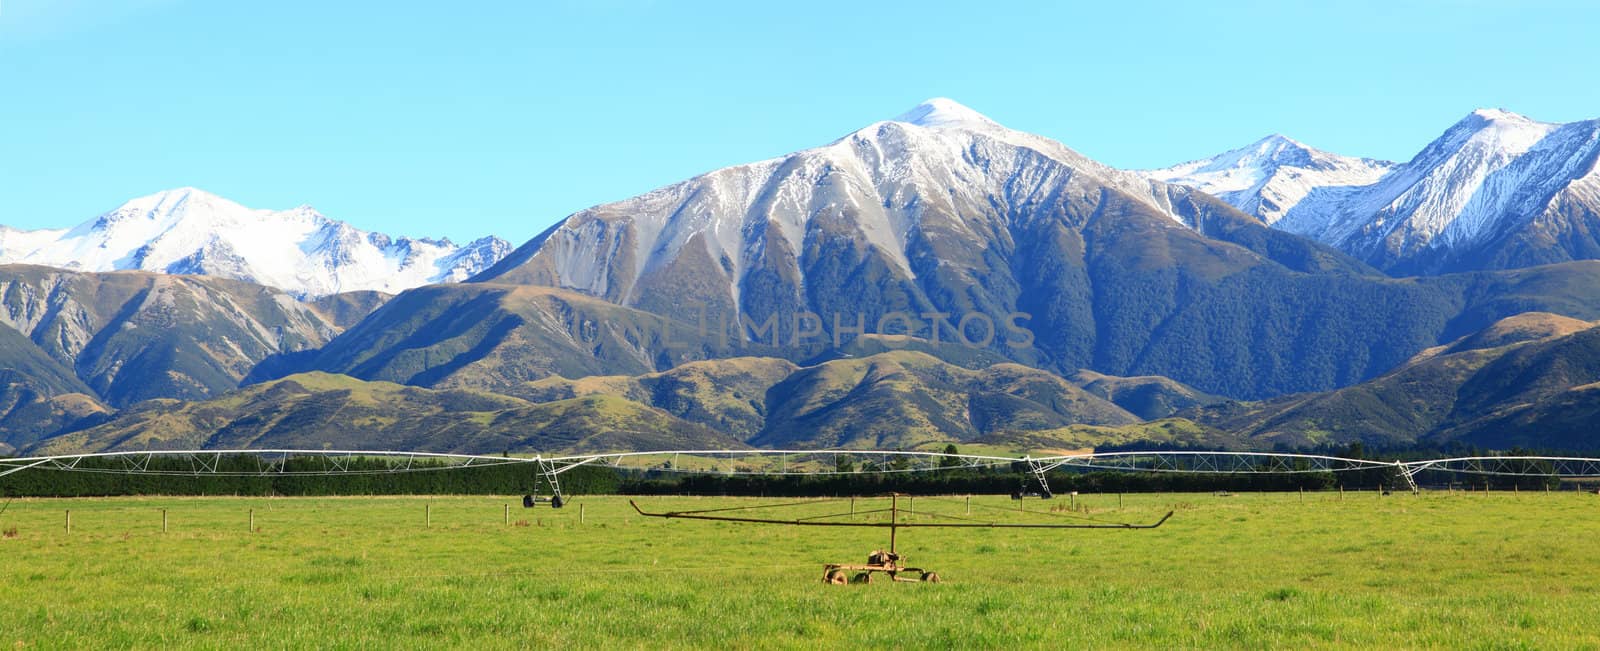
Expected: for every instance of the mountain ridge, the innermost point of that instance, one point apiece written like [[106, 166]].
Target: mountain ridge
[[1271, 176], [898, 399], [190, 231], [1496, 190]]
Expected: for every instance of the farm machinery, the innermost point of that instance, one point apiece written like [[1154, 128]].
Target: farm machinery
[[888, 562], [879, 561]]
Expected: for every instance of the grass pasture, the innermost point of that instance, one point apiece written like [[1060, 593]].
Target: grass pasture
[[1492, 571]]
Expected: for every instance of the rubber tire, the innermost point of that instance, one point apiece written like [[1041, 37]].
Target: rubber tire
[[863, 578], [930, 577], [836, 577]]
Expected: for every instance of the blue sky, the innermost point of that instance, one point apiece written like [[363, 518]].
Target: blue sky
[[464, 119]]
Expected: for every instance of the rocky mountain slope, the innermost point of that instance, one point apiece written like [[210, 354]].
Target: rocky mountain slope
[[1521, 382], [496, 337], [115, 339], [39, 396]]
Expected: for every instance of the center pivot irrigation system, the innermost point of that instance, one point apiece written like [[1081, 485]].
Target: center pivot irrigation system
[[548, 470]]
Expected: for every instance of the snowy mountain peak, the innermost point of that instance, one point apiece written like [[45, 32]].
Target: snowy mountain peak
[[190, 231], [1490, 130], [1278, 141], [165, 204], [1271, 176], [1271, 151], [170, 197], [1492, 114], [944, 112], [1276, 145]]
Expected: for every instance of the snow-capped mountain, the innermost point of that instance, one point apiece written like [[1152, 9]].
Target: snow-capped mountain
[[939, 210], [1273, 176], [188, 231], [946, 226], [1496, 190], [919, 191]]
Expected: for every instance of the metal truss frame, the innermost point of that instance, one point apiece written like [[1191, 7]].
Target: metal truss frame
[[287, 462]]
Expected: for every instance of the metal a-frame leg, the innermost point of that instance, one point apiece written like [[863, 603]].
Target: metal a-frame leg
[[550, 472], [1409, 473], [1038, 471], [548, 469]]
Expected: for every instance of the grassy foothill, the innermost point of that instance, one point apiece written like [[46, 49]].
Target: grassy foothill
[[1497, 570]]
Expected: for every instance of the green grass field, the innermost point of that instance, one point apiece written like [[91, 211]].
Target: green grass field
[[1456, 570]]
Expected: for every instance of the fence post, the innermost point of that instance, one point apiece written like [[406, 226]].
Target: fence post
[[427, 514], [163, 520], [252, 520], [969, 505], [69, 521], [506, 519], [580, 514]]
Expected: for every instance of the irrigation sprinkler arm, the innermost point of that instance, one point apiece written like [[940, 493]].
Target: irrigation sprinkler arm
[[558, 469], [690, 515], [18, 468]]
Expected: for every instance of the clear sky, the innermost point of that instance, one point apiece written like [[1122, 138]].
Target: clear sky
[[462, 119]]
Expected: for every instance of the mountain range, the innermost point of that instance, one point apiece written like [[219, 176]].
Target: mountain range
[[944, 211], [188, 231], [930, 278], [1496, 190]]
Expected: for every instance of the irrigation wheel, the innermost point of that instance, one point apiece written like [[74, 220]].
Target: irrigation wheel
[[930, 577], [836, 577], [862, 577]]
